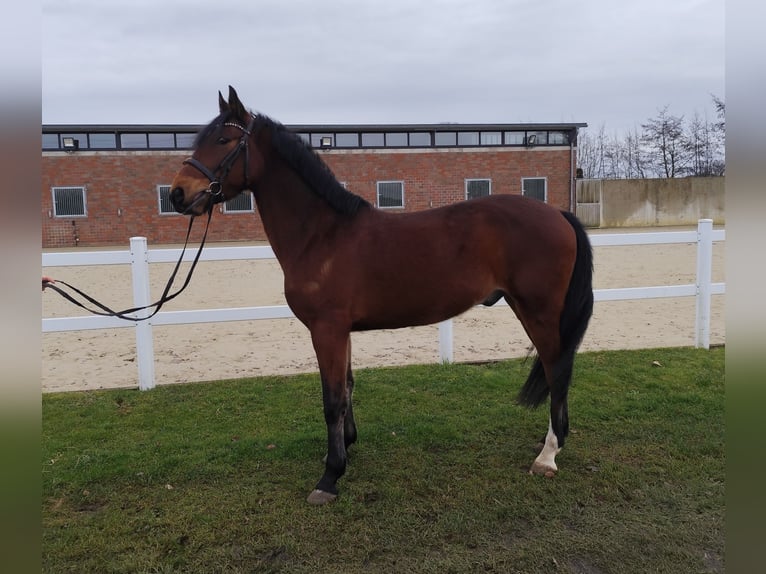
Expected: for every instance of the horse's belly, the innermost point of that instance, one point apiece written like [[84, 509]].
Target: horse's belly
[[410, 310]]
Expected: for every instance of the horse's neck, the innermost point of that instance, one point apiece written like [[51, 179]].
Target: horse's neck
[[293, 216]]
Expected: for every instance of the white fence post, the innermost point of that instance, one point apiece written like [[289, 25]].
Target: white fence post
[[139, 266], [704, 277], [445, 341]]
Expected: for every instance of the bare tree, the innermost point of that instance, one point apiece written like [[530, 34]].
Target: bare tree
[[663, 137], [634, 156], [699, 146], [666, 146], [719, 164], [590, 153]]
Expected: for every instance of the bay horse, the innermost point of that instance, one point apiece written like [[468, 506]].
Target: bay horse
[[351, 267]]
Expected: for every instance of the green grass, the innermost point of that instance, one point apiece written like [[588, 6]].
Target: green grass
[[213, 477]]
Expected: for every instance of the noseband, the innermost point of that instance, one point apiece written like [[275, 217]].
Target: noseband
[[215, 189]]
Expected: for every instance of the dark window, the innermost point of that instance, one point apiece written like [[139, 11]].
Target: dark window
[[69, 202], [477, 188], [163, 193], [242, 202], [390, 194], [534, 187]]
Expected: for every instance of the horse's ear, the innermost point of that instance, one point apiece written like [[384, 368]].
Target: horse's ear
[[222, 105], [235, 105]]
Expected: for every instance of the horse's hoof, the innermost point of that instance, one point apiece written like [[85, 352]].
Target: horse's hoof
[[320, 497], [543, 470]]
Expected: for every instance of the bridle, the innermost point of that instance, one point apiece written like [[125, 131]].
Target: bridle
[[215, 187], [216, 192]]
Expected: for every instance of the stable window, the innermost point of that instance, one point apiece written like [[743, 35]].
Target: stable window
[[373, 140], [69, 202], [133, 141], [241, 203], [420, 139], [515, 138], [166, 141], [390, 194], [347, 140], [396, 139], [445, 138], [477, 188], [185, 141], [103, 141], [163, 197], [535, 187], [491, 138], [467, 138], [51, 141], [558, 138]]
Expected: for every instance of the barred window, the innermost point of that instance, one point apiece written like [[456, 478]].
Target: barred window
[[163, 196], [390, 194], [69, 202], [477, 188], [535, 187], [240, 203]]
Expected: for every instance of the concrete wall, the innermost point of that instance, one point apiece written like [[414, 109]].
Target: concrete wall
[[650, 202]]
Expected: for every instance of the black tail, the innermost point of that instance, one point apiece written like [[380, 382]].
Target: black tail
[[578, 308]]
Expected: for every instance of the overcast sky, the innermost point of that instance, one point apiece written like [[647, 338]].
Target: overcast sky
[[603, 62]]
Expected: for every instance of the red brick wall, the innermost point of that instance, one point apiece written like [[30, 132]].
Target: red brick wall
[[122, 202]]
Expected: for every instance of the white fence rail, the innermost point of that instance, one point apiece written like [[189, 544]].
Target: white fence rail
[[139, 258]]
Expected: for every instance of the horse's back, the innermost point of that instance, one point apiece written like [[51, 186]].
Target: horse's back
[[422, 267]]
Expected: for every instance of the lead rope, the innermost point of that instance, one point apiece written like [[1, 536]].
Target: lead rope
[[107, 312]]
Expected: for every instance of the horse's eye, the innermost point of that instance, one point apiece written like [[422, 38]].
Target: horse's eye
[[222, 140]]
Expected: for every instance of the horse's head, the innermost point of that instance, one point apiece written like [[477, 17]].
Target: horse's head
[[222, 164]]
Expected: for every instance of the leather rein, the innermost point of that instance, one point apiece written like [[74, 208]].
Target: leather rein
[[215, 190]]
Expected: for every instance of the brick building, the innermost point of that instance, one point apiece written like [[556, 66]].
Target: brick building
[[102, 185]]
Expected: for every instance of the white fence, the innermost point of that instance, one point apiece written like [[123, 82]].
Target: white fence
[[139, 257]]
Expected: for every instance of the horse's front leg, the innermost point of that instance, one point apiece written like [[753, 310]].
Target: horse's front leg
[[349, 422], [332, 354]]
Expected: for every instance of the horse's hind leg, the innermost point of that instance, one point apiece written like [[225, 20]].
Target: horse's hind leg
[[550, 375]]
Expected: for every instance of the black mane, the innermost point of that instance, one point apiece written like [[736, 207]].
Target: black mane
[[300, 156]]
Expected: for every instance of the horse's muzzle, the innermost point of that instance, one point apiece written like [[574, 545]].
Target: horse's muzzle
[[178, 201]]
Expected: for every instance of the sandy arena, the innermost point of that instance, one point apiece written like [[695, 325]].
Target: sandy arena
[[105, 359]]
